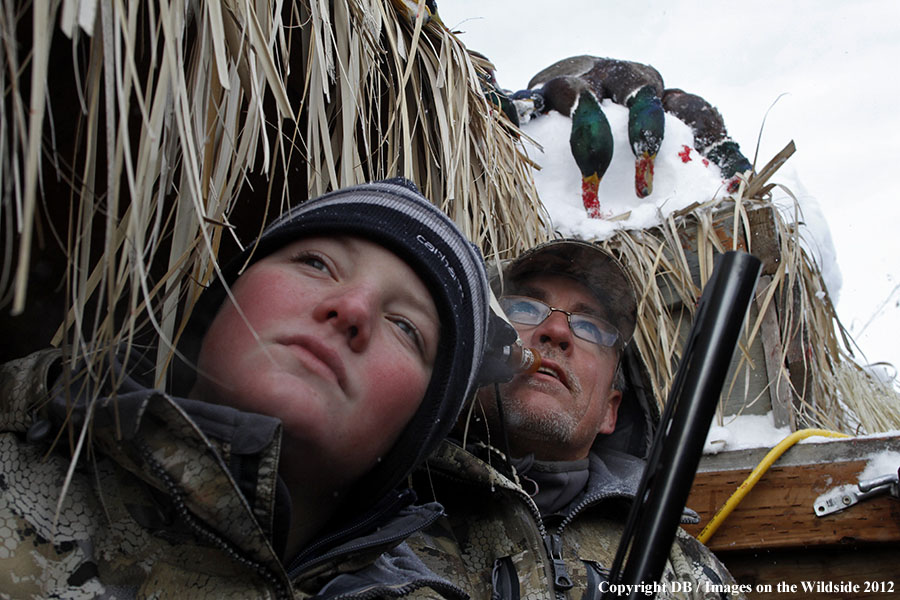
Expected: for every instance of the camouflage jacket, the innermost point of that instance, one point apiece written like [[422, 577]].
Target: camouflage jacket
[[171, 499], [494, 543]]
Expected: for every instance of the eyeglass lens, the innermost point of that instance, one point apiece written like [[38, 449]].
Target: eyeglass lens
[[530, 311]]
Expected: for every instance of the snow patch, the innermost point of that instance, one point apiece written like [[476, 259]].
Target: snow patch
[[881, 463], [744, 431]]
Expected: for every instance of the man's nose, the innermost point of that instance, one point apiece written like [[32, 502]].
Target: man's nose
[[555, 331], [350, 311]]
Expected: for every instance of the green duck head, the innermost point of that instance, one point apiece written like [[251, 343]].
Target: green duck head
[[727, 155], [646, 128], [500, 100], [591, 142], [591, 139]]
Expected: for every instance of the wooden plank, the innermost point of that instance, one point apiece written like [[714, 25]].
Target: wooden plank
[[811, 452], [750, 383], [764, 242], [763, 238], [778, 511], [779, 386], [798, 346]]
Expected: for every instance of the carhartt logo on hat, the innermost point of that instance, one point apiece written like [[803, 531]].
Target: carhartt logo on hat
[[442, 257]]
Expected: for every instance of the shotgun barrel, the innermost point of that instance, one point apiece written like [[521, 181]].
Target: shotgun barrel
[[678, 445]]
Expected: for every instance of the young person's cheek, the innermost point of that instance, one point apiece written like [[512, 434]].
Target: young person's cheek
[[399, 381]]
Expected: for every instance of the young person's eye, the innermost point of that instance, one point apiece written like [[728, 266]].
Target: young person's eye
[[313, 260], [410, 331]]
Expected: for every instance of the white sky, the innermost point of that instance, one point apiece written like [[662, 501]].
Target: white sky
[[827, 63]]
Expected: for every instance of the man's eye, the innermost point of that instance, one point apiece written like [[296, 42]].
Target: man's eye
[[521, 310], [588, 330], [522, 307], [593, 332]]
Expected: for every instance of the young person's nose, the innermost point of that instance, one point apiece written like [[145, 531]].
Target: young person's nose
[[351, 311], [554, 331]]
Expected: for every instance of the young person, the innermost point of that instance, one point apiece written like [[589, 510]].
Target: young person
[[336, 358]]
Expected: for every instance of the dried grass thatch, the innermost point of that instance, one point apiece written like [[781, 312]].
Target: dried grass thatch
[[794, 353], [197, 122]]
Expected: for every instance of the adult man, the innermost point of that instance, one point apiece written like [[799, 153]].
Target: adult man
[[537, 502]]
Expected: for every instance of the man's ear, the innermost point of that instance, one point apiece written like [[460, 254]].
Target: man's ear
[[608, 424]]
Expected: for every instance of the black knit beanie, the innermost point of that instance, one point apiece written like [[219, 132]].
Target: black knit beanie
[[395, 215]]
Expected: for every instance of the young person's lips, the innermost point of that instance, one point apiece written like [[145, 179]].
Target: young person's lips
[[320, 358]]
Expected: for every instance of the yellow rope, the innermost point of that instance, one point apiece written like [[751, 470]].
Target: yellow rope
[[757, 473]]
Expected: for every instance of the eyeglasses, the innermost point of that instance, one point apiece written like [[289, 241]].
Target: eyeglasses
[[529, 311]]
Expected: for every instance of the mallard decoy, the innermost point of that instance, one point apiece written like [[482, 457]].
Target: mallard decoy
[[528, 103], [493, 93], [637, 86], [561, 93], [499, 99], [646, 128], [591, 139], [731, 161], [574, 66], [710, 136], [591, 142]]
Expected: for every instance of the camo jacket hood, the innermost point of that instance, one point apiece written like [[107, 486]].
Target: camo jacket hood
[[169, 495]]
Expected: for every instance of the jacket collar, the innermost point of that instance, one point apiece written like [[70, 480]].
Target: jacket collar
[[395, 573], [358, 546], [197, 453]]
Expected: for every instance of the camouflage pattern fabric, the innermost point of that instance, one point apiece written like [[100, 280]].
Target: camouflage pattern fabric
[[494, 544], [115, 535], [152, 511]]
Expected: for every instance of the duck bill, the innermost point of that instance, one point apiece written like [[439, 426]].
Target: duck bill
[[643, 175], [733, 184], [589, 187]]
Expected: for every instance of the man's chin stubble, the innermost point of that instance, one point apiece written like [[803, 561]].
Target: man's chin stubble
[[544, 425]]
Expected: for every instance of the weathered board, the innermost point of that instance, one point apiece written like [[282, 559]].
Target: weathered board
[[778, 511], [774, 534], [748, 391]]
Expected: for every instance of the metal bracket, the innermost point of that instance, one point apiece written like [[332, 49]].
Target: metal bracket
[[845, 496]]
